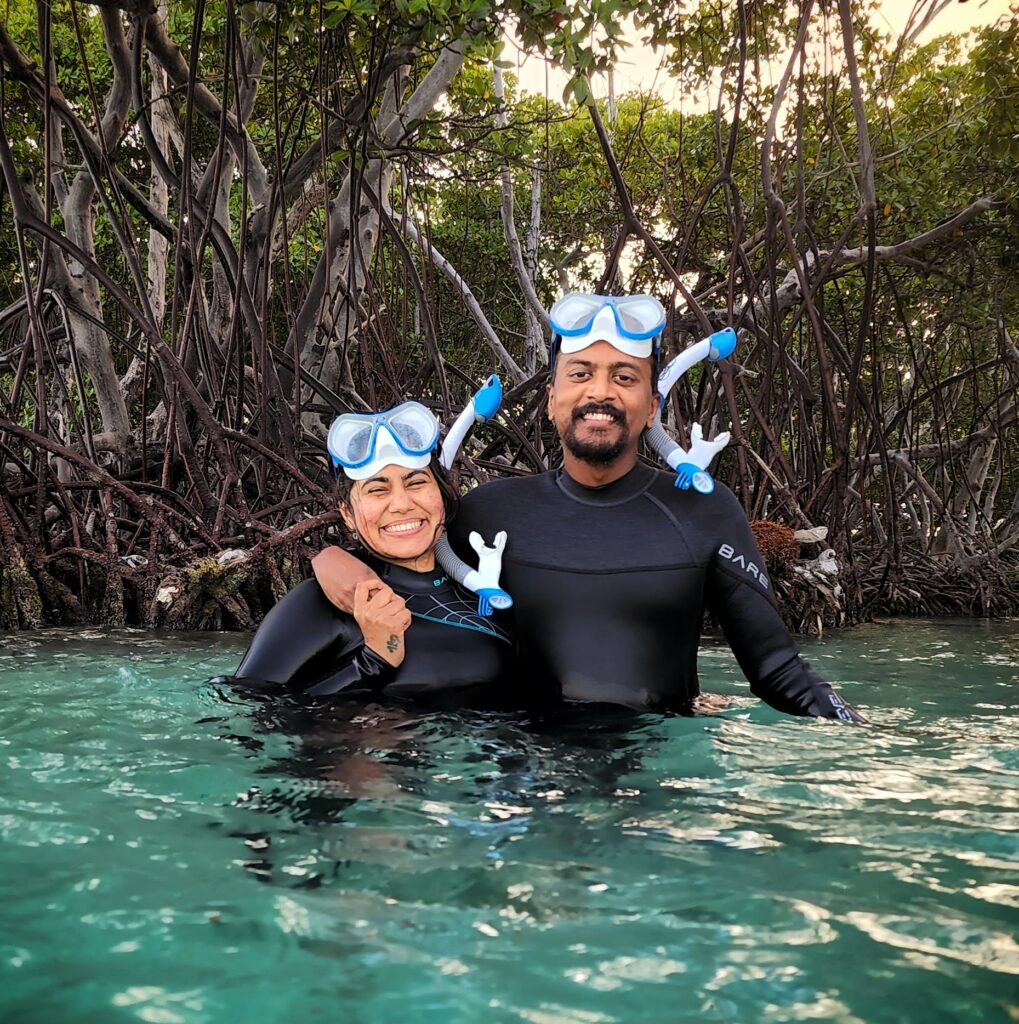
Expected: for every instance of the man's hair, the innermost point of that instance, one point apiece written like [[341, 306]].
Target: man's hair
[[656, 360], [450, 496]]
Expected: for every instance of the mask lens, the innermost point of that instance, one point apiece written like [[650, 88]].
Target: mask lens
[[350, 438], [573, 314], [640, 315], [414, 427]]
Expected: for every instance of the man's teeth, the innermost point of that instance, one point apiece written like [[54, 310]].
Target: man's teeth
[[404, 527], [601, 417]]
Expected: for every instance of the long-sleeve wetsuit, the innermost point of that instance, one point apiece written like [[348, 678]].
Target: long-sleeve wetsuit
[[610, 584], [305, 645]]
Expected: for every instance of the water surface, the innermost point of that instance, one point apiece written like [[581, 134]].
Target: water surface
[[171, 854]]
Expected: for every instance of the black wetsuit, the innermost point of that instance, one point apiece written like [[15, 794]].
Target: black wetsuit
[[610, 584], [305, 645]]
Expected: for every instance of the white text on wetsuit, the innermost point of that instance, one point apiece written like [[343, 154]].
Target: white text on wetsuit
[[729, 553]]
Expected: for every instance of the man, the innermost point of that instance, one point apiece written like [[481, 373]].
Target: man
[[610, 565]]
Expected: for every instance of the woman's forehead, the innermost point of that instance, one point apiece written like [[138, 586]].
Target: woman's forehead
[[392, 473]]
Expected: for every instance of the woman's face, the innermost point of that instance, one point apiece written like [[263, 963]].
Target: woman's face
[[399, 514]]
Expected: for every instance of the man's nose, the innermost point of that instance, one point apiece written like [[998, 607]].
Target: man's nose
[[601, 387]]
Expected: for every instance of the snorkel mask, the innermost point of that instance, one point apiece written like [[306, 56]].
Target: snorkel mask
[[633, 324], [361, 444]]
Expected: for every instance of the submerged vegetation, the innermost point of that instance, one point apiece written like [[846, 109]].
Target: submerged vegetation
[[225, 223]]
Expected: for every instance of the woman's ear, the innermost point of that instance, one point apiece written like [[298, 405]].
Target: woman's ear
[[347, 516]]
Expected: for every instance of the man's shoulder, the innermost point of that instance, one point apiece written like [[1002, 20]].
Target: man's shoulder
[[507, 489], [721, 503]]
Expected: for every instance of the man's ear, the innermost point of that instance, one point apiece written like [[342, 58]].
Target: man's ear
[[549, 399], [654, 409]]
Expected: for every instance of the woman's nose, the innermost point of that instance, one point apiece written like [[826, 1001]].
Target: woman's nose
[[399, 499]]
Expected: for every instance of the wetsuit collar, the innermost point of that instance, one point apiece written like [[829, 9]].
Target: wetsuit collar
[[628, 486], [408, 581]]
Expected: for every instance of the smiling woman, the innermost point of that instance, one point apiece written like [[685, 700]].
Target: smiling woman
[[398, 513], [395, 499]]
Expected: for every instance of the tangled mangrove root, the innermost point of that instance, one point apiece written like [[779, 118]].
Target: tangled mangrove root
[[932, 586], [21, 605], [230, 590]]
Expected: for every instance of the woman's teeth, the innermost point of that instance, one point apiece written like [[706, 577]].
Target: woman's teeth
[[414, 524]]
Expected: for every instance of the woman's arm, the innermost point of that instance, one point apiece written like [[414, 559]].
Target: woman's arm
[[338, 573], [306, 644], [300, 627]]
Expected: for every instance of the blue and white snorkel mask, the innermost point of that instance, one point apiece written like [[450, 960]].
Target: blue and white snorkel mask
[[633, 324], [362, 444]]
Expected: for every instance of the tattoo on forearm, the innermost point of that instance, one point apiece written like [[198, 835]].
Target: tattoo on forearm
[[392, 643]]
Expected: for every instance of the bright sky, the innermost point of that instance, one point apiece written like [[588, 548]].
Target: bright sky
[[640, 66]]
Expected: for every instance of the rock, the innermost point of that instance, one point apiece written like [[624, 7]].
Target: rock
[[167, 594], [232, 556], [812, 536]]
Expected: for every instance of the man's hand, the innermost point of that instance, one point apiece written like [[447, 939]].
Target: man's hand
[[338, 572], [383, 618]]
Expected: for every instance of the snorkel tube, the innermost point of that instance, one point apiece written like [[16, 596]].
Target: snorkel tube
[[691, 466], [483, 581], [482, 406]]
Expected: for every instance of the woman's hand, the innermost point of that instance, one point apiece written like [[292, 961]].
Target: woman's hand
[[338, 572], [383, 618]]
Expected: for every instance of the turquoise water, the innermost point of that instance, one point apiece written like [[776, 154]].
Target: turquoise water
[[171, 855]]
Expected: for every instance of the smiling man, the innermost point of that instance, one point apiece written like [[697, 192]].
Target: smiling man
[[609, 564]]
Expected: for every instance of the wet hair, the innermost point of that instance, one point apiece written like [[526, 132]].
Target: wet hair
[[450, 498]]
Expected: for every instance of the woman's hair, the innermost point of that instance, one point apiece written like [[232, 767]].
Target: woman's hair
[[450, 497]]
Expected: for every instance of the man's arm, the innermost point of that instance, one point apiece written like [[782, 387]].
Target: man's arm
[[338, 573], [740, 596]]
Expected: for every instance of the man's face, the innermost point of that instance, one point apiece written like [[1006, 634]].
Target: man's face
[[600, 400]]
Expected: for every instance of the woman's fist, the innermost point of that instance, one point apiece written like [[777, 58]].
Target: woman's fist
[[383, 617]]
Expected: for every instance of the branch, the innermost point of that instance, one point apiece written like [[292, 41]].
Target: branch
[[169, 54], [506, 210], [789, 292], [408, 225], [867, 201]]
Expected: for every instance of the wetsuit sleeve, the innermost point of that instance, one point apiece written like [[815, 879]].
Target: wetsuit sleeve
[[306, 645], [739, 595]]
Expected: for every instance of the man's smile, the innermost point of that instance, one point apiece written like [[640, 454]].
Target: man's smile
[[597, 415]]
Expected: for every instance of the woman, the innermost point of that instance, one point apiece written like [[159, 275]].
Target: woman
[[412, 631]]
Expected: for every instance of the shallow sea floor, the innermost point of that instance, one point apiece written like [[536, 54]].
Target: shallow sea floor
[[172, 854]]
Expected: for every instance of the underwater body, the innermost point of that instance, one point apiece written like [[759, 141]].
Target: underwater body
[[174, 852]]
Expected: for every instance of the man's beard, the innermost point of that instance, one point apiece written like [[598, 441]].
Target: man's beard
[[596, 453]]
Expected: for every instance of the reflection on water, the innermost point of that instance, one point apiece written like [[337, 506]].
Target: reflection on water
[[175, 853]]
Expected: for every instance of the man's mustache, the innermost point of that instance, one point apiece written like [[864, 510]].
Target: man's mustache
[[593, 407]]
